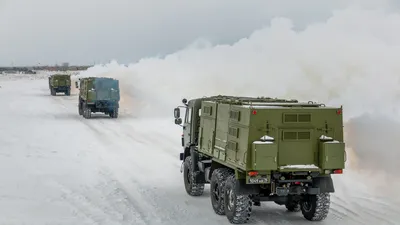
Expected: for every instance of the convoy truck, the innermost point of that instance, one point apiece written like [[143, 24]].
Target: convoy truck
[[60, 83], [98, 94], [253, 149]]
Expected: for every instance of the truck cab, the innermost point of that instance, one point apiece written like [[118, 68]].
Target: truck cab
[[191, 122]]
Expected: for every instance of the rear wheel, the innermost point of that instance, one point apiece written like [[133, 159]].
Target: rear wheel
[[217, 188], [114, 113], [87, 113], [237, 207], [68, 92], [315, 207], [80, 110], [192, 188], [80, 104]]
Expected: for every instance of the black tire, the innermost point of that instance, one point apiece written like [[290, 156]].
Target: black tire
[[237, 207], [315, 207], [217, 189], [293, 206], [53, 92], [191, 187], [87, 113], [114, 113], [80, 110], [68, 92], [80, 105]]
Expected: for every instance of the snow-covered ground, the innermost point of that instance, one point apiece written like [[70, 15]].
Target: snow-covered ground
[[59, 168]]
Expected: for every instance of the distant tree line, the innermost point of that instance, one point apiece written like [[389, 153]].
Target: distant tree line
[[33, 69]]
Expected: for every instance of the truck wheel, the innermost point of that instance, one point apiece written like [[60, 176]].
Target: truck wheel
[[87, 113], [315, 207], [237, 207], [217, 188], [80, 110], [114, 113], [293, 206], [68, 92], [191, 187], [52, 91]]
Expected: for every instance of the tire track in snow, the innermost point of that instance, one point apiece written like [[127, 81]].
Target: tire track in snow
[[374, 214], [343, 214], [84, 206], [110, 201], [162, 209], [118, 188], [167, 212], [108, 140], [130, 201]]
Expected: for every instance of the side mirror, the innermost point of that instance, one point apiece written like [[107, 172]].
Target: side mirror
[[178, 121], [184, 101], [76, 84], [177, 113]]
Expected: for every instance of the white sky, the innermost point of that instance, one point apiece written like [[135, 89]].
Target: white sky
[[88, 31]]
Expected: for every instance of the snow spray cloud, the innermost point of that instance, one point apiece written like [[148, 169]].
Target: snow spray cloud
[[351, 60]]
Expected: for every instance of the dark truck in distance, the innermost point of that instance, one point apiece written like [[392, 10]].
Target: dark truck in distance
[[98, 94], [253, 149], [60, 83]]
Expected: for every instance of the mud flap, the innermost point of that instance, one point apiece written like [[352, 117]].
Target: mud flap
[[325, 184], [245, 189]]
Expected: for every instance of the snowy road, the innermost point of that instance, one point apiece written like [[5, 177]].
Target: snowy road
[[59, 168]]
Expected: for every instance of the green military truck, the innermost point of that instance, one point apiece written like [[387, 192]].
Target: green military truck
[[253, 149], [98, 94], [60, 83]]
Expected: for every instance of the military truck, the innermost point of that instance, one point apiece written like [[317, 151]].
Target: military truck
[[98, 94], [253, 149], [60, 83]]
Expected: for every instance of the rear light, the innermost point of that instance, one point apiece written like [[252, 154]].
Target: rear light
[[254, 112], [253, 173], [339, 111], [297, 182], [339, 171]]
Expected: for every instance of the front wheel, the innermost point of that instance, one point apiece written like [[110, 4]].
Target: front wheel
[[315, 207], [237, 207], [192, 188]]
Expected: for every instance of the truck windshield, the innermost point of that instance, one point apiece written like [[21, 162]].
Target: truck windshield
[[105, 84]]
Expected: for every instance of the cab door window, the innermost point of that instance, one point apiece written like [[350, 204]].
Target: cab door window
[[188, 116]]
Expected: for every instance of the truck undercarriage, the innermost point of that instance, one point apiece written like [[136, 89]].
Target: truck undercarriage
[[107, 107], [308, 192], [64, 89]]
